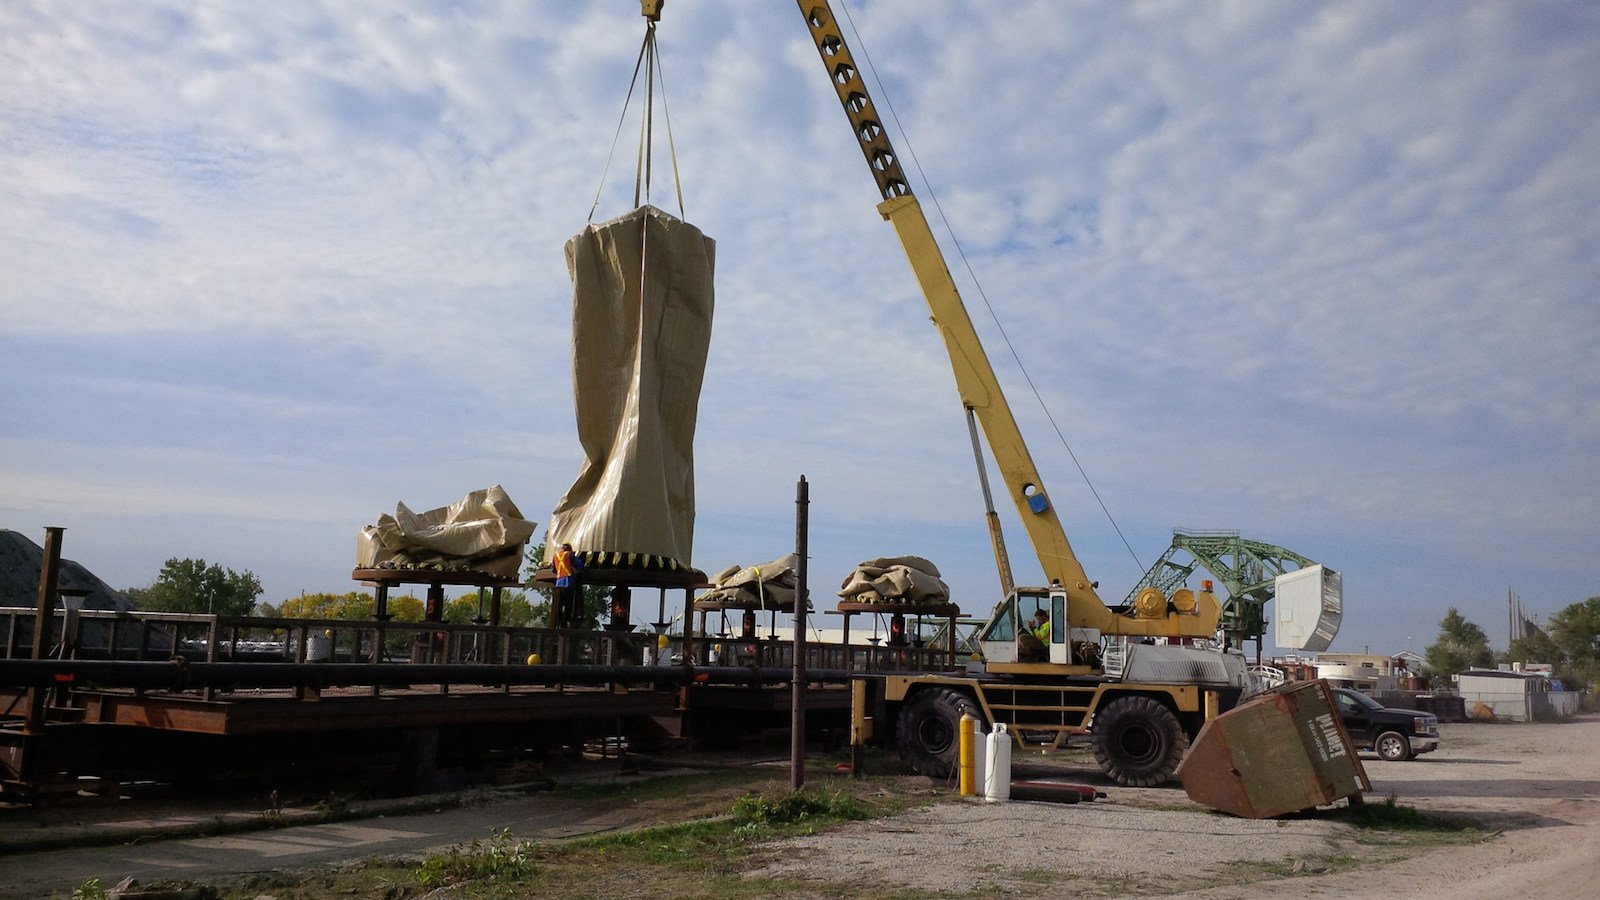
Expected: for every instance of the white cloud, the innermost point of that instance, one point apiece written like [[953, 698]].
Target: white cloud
[[1319, 270]]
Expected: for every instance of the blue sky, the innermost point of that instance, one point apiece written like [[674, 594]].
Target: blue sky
[[1322, 274]]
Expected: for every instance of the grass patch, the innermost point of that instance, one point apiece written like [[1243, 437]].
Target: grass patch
[[703, 858], [1390, 816], [1388, 831], [797, 808], [497, 860], [1404, 828], [1034, 876], [1293, 867], [659, 786], [725, 835]]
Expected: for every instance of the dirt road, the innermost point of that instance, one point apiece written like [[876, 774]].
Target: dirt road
[[1532, 791]]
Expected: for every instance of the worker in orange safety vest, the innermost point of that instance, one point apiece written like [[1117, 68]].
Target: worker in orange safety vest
[[565, 564]]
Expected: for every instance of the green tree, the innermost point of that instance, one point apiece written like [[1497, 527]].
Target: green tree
[[1576, 630], [1461, 646], [519, 611], [516, 609], [352, 605], [192, 586], [406, 608], [1537, 647]]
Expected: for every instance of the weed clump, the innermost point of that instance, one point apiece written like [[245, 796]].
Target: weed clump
[[498, 859], [754, 812]]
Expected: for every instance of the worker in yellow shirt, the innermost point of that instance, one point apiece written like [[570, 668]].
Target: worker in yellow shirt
[[1040, 626]]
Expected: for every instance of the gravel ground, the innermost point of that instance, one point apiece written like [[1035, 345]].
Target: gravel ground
[[1533, 790]]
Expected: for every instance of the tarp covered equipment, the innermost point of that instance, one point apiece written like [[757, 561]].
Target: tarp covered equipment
[[641, 329], [768, 586], [895, 579], [482, 532]]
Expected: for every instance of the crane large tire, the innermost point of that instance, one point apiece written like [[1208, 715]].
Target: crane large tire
[[1138, 742], [929, 732]]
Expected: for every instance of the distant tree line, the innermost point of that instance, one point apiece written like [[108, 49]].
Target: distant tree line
[[1571, 644], [194, 586]]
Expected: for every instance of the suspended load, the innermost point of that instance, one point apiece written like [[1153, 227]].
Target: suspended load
[[641, 328], [482, 532]]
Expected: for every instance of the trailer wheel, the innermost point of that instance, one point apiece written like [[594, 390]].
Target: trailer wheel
[[929, 732], [1138, 741]]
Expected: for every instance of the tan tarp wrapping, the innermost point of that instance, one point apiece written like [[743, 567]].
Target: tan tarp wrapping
[[772, 585], [909, 562], [482, 532], [895, 578], [639, 345], [859, 582]]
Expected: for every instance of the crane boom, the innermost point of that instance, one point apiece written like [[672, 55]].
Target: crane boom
[[975, 377]]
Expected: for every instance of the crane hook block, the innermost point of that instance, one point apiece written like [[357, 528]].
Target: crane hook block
[[651, 9]]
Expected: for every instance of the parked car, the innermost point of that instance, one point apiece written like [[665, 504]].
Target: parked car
[[1393, 734]]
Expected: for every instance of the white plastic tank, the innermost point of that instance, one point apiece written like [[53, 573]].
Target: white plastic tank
[[997, 770]]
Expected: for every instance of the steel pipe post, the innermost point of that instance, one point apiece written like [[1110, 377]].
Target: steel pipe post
[[797, 714]]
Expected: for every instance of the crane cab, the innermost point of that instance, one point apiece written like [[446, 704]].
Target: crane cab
[[1028, 633]]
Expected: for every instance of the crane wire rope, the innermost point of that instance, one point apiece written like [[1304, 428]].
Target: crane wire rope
[[648, 61], [983, 295]]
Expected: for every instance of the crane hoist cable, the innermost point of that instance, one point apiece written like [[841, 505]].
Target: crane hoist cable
[[649, 63], [883, 93]]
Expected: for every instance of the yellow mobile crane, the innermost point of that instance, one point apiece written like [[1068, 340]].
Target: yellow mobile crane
[[1100, 669], [1097, 669]]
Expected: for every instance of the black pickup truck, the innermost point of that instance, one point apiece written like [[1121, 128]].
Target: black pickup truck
[[1393, 734]]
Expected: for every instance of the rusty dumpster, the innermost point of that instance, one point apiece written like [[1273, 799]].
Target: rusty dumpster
[[1278, 753]]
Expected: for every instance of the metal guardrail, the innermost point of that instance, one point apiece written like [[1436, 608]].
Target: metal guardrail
[[197, 637], [179, 674], [137, 636]]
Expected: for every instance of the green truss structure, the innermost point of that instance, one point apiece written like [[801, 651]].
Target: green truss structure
[[1244, 568]]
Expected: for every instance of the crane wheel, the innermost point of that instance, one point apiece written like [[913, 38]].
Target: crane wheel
[[929, 730], [1138, 742]]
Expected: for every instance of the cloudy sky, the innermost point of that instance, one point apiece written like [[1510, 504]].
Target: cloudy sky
[[1324, 275]]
